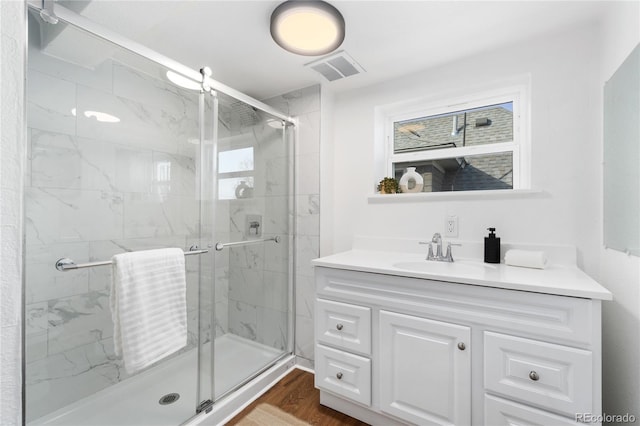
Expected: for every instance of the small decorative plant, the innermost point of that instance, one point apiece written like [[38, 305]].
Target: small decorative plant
[[388, 185]]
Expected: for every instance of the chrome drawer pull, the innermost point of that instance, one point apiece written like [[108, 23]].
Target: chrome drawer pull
[[339, 376], [534, 376], [461, 346], [339, 326]]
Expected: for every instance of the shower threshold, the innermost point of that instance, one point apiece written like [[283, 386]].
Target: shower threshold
[[135, 401]]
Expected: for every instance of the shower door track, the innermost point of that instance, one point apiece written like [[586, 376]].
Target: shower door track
[[98, 30]]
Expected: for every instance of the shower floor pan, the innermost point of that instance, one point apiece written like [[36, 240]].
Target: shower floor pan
[[135, 401]]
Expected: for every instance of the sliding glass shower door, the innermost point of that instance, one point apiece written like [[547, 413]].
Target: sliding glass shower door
[[112, 167], [123, 156], [251, 192]]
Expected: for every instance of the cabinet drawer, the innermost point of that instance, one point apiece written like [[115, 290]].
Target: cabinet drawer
[[500, 412], [553, 377], [343, 325], [344, 374]]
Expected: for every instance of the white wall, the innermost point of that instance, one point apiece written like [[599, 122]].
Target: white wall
[[565, 151], [12, 55], [620, 273]]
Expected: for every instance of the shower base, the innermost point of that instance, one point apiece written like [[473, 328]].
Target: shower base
[[135, 401]]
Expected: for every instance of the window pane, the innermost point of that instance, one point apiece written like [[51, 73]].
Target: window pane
[[235, 160], [477, 126], [471, 173]]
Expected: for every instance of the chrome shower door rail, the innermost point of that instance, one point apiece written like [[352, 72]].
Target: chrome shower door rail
[[66, 264], [56, 11], [220, 246]]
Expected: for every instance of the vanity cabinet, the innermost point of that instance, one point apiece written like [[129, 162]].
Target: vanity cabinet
[[417, 353], [399, 350]]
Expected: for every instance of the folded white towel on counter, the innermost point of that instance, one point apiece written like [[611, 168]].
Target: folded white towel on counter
[[148, 305], [526, 258]]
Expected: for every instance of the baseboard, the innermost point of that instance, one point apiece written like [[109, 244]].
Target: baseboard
[[305, 364]]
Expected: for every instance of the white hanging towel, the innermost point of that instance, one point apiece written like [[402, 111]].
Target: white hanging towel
[[148, 305]]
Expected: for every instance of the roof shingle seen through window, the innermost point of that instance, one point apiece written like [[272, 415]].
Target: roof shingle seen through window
[[436, 131]]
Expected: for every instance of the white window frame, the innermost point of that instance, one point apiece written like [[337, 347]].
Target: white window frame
[[519, 146]]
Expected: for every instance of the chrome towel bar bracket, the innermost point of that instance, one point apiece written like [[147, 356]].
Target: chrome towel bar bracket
[[220, 246], [66, 264]]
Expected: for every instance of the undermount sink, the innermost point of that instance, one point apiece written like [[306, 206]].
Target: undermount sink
[[458, 267]]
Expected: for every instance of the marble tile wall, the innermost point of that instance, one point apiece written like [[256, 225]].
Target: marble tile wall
[[258, 275], [94, 189], [305, 105]]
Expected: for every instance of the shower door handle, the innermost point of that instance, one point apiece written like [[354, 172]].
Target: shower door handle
[[220, 246]]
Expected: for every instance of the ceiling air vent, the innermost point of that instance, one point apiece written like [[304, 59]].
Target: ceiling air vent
[[336, 66]]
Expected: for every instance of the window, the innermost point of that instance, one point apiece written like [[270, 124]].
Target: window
[[465, 144], [235, 171]]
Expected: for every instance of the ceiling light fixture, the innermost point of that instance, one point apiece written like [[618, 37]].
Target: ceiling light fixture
[[309, 28]]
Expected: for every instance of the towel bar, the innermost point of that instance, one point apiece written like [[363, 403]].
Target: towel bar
[[220, 246], [66, 264]]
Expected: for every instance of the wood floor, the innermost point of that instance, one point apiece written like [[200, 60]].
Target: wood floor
[[296, 395]]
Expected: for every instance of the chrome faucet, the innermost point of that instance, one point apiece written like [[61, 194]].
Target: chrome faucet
[[437, 240]]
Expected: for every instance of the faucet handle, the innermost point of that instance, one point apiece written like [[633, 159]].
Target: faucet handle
[[448, 257], [430, 255]]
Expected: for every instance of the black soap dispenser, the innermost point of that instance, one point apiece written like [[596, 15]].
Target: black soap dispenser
[[491, 247]]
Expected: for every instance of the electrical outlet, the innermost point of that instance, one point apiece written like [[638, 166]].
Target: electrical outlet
[[451, 226]]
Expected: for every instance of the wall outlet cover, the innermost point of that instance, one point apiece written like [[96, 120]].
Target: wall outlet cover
[[451, 226]]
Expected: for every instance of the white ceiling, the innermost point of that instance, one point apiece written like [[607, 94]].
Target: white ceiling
[[387, 38]]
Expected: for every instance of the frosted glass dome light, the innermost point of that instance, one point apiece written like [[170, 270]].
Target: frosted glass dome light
[[307, 28]]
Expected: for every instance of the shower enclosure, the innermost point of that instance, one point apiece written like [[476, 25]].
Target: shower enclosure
[[125, 153]]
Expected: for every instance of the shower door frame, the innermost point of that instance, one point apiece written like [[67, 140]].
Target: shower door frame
[[97, 30], [208, 85], [289, 136]]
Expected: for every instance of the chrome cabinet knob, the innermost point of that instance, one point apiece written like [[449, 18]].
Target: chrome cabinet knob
[[339, 326], [534, 376], [339, 376], [461, 346]]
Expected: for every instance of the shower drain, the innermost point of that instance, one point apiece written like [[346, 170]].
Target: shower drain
[[169, 398]]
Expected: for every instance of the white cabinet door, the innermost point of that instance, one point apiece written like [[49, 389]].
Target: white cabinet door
[[425, 370]]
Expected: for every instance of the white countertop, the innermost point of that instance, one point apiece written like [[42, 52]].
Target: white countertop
[[556, 278]]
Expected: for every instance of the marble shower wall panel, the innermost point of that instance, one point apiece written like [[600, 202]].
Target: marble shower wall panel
[[95, 189], [163, 121], [257, 289], [50, 101], [305, 105], [66, 215], [258, 274]]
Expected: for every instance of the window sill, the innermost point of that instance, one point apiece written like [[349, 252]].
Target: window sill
[[453, 195]]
